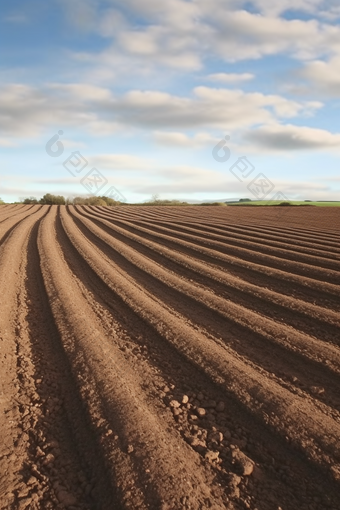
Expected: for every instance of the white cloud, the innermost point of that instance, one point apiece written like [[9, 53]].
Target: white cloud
[[288, 138], [122, 162], [178, 139], [323, 77], [26, 111], [191, 181], [6, 143], [80, 91], [331, 179], [60, 181], [277, 7], [322, 8], [73, 144], [182, 35], [209, 107], [163, 45], [243, 35], [230, 77]]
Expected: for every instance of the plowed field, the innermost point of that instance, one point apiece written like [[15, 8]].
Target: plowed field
[[169, 358]]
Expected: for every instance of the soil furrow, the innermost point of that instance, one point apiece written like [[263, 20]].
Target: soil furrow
[[319, 222], [16, 212], [121, 393], [327, 270], [169, 357], [169, 363], [62, 450], [262, 340], [242, 380], [305, 288], [310, 318], [13, 454], [245, 237], [11, 222], [250, 233]]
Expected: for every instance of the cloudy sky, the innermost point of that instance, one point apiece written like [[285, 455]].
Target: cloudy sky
[[137, 95]]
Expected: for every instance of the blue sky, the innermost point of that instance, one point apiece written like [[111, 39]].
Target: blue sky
[[144, 90]]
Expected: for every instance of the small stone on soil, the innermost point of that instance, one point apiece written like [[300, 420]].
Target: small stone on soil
[[201, 411], [220, 407], [65, 498], [211, 456], [174, 404], [243, 463]]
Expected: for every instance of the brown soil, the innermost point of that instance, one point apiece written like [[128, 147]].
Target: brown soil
[[169, 358]]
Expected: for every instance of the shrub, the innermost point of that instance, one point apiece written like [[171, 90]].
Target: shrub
[[49, 199], [78, 201], [214, 203], [109, 201], [156, 200], [30, 200], [93, 201], [284, 203], [166, 202]]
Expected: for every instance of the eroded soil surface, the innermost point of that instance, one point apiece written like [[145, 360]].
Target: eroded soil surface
[[169, 358]]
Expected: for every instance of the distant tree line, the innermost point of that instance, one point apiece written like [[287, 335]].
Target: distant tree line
[[49, 199], [164, 202], [156, 200], [221, 204], [92, 201]]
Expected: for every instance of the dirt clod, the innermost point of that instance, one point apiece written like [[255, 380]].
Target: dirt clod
[[242, 463]]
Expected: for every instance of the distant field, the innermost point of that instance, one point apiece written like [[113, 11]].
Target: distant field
[[292, 202]]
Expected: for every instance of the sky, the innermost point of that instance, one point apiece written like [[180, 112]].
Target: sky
[[186, 99]]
